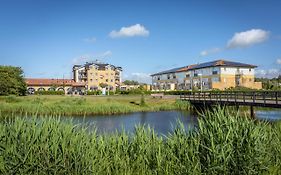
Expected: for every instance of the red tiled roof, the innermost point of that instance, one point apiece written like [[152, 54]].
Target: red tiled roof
[[51, 82]]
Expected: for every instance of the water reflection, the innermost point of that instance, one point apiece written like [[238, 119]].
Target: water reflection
[[163, 122]]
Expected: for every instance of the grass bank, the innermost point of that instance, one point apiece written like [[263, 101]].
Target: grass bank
[[96, 105], [224, 143]]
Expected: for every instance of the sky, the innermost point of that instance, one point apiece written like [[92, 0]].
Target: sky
[[47, 37]]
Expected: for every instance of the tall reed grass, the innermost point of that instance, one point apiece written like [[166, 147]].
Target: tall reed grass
[[223, 143], [67, 106]]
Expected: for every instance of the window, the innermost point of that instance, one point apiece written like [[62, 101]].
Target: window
[[250, 70], [168, 76], [91, 80], [215, 79], [195, 74], [174, 76], [106, 80], [215, 72], [111, 80], [187, 75], [158, 78]]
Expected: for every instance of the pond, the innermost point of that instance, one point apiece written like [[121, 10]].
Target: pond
[[163, 122]]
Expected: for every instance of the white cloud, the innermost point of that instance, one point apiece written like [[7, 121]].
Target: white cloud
[[270, 73], [90, 40], [139, 76], [91, 57], [210, 51], [248, 38], [131, 31], [278, 61]]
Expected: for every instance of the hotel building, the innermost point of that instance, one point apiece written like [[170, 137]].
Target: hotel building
[[87, 77], [96, 75], [219, 74]]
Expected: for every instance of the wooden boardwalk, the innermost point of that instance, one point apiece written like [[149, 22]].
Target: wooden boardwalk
[[270, 99]]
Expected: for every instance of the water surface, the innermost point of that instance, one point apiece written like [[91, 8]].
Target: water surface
[[163, 122]]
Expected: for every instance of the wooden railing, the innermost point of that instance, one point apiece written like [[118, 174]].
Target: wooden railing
[[254, 97]]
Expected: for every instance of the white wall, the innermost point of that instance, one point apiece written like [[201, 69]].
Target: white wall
[[235, 70]]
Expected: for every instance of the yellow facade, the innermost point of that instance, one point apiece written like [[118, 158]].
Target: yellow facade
[[230, 81], [97, 77]]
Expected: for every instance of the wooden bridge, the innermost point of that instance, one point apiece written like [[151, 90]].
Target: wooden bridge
[[270, 99]]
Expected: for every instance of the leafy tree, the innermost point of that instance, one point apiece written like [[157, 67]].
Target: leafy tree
[[131, 82], [12, 81], [103, 85]]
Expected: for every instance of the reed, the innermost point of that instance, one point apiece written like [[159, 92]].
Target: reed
[[83, 106], [223, 143]]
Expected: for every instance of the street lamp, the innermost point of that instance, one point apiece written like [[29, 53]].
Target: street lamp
[[201, 83]]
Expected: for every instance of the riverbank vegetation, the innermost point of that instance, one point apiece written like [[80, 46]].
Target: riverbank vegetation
[[86, 105], [223, 143]]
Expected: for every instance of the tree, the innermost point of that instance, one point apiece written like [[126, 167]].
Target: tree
[[103, 85], [12, 81], [131, 82]]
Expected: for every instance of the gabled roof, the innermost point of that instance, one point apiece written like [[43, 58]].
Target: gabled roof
[[168, 71], [205, 65], [222, 63]]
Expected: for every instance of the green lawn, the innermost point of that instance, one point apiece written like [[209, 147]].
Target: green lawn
[[84, 105]]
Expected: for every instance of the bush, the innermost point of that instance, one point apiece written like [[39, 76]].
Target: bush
[[98, 92], [49, 93], [135, 92]]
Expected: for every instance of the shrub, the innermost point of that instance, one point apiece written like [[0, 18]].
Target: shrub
[[98, 92], [49, 93]]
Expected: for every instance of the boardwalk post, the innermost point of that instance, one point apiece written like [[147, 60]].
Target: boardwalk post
[[252, 111], [264, 99], [254, 97], [276, 97], [226, 96], [244, 97]]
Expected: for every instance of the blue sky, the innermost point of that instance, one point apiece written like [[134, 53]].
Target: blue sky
[[46, 37]]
